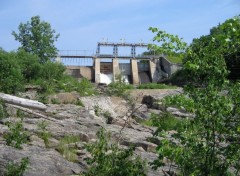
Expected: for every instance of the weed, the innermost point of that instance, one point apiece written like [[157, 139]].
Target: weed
[[3, 111], [79, 103], [108, 117], [108, 159], [43, 133], [14, 169], [55, 101], [69, 153], [16, 135], [97, 110]]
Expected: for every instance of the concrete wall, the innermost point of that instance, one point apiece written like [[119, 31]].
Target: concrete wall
[[80, 72], [168, 67]]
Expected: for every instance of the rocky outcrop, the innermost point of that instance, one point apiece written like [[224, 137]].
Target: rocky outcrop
[[82, 121], [42, 161]]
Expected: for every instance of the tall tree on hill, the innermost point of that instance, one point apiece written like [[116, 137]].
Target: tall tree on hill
[[37, 37]]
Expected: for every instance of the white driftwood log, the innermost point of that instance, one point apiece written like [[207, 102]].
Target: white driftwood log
[[10, 99]]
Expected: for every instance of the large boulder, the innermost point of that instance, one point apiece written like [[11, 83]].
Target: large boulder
[[41, 161]]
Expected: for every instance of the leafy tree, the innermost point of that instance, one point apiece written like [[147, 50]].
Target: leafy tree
[[37, 37], [170, 45], [209, 144], [11, 78], [211, 56]]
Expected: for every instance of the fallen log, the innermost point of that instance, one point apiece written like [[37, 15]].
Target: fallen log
[[10, 99]]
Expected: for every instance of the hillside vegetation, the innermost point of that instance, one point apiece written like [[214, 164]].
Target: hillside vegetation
[[205, 142]]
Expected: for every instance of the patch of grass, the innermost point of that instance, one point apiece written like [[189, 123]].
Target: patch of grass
[[69, 153], [14, 169], [43, 133], [155, 86], [79, 103], [166, 122]]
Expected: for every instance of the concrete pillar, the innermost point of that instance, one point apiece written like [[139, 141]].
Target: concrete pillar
[[115, 68], [153, 70], [134, 69], [97, 70]]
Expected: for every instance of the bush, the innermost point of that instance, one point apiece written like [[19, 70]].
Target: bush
[[11, 78], [107, 159], [16, 135], [14, 169], [29, 64]]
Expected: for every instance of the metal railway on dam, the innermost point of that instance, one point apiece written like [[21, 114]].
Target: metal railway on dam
[[104, 68]]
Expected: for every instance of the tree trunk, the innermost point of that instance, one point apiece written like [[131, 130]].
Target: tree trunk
[[22, 102]]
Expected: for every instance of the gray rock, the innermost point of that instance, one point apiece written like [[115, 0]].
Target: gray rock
[[41, 161]]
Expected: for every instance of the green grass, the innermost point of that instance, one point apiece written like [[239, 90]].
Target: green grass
[[69, 153], [165, 122], [155, 86]]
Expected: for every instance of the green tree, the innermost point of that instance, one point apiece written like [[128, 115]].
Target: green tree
[[209, 144], [37, 37], [170, 45], [11, 78], [211, 56]]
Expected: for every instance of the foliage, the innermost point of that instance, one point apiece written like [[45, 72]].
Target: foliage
[[208, 56], [176, 58], [166, 122], [10, 73], [29, 64], [79, 103], [170, 45], [16, 135], [118, 87], [106, 114], [37, 37], [17, 169], [68, 152], [3, 112], [208, 144], [43, 133], [107, 159], [155, 86]]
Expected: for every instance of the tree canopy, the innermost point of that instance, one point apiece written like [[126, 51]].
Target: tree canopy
[[37, 37]]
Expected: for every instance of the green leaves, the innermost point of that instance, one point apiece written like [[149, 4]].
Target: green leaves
[[37, 37], [209, 143], [169, 44], [108, 159]]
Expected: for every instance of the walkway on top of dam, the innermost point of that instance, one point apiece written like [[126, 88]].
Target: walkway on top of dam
[[115, 54]]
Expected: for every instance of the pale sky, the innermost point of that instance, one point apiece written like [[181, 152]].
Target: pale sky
[[83, 23]]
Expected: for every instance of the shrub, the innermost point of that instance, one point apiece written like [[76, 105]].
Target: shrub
[[11, 78], [108, 159], [14, 169], [16, 135]]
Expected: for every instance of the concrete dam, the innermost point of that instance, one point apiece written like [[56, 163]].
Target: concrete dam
[[104, 68]]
